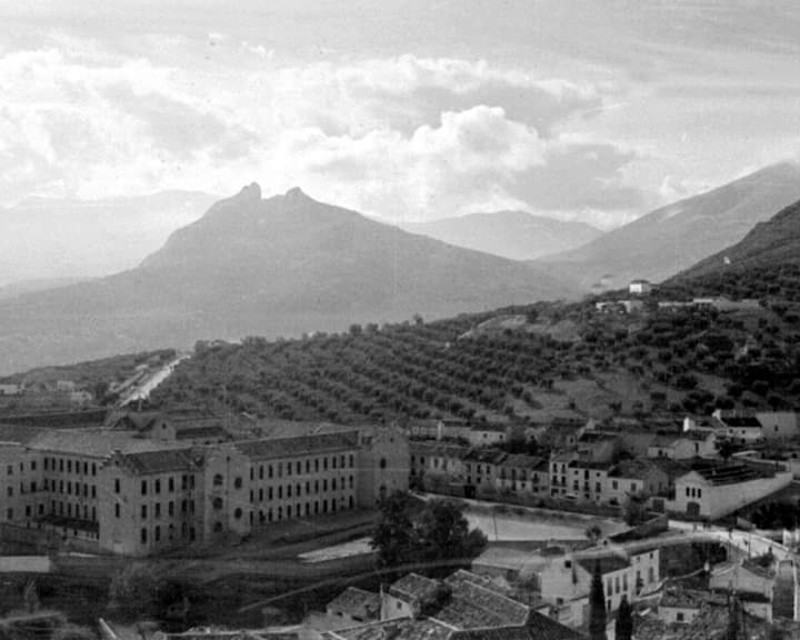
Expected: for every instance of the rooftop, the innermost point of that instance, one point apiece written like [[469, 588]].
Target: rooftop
[[399, 629], [357, 603], [413, 586], [96, 442], [159, 461], [522, 461], [608, 564], [538, 627], [299, 445]]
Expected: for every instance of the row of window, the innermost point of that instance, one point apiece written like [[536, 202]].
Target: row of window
[[68, 487], [66, 465], [297, 466], [187, 483], [10, 468], [298, 489], [187, 507], [692, 492], [69, 510], [186, 533]]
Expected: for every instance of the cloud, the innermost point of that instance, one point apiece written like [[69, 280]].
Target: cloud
[[401, 137], [403, 93]]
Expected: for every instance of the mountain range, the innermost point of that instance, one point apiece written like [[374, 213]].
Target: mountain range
[[249, 266], [87, 238], [775, 242], [668, 240], [517, 235]]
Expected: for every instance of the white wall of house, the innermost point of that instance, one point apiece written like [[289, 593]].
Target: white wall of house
[[716, 501], [680, 615], [778, 425]]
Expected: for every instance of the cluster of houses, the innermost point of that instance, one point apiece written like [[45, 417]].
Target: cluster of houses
[[60, 392], [639, 290], [675, 469]]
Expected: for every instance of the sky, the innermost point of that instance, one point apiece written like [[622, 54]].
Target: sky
[[409, 110]]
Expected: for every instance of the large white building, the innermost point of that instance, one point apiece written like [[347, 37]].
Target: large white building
[[134, 492]]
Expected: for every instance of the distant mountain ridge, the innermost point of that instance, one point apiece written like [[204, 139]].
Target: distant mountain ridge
[[517, 235], [280, 266], [662, 243], [773, 243]]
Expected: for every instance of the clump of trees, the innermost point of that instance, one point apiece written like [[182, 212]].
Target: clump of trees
[[435, 534]]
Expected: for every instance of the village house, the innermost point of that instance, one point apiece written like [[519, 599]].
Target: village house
[[488, 435], [683, 446], [559, 475], [713, 489], [631, 477], [521, 474], [10, 389], [739, 428], [568, 577], [598, 446], [586, 479], [640, 287], [354, 606]]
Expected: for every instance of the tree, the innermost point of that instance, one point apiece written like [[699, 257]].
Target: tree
[[597, 606], [443, 532], [623, 628], [439, 532], [394, 537]]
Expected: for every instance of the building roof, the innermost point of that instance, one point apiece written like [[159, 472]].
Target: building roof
[[523, 461], [397, 629], [608, 564], [581, 463], [434, 448], [740, 421], [299, 445], [16, 434], [472, 605], [202, 432], [413, 586], [145, 462], [490, 456], [357, 603], [538, 627], [97, 443], [723, 473], [636, 469]]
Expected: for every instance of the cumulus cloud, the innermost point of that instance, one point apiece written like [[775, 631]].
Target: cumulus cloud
[[401, 137]]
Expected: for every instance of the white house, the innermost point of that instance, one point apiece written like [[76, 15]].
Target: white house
[[640, 287], [714, 489], [566, 578]]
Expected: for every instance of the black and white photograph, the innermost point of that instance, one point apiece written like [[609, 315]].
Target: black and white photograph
[[399, 320]]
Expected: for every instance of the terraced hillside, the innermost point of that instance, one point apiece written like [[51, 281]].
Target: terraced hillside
[[529, 363]]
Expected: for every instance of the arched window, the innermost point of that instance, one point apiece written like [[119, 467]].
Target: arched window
[[237, 513], [237, 483], [217, 527], [217, 503], [383, 463], [218, 480]]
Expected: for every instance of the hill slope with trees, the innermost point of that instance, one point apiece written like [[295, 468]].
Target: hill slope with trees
[[531, 363]]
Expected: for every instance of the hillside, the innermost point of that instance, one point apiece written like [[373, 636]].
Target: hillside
[[281, 266], [516, 235], [660, 244], [535, 363], [775, 242], [87, 238]]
